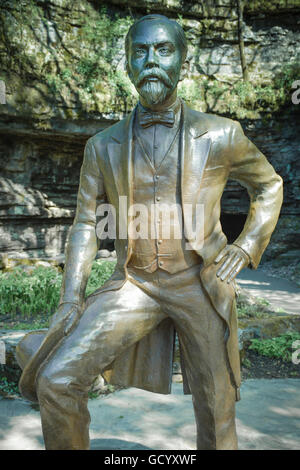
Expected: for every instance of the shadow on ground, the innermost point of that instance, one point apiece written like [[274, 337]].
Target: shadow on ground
[[281, 293], [268, 417]]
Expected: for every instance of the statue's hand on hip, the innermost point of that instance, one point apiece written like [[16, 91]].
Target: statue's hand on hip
[[66, 316], [234, 260]]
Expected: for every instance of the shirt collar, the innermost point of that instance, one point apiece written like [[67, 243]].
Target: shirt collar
[[176, 106]]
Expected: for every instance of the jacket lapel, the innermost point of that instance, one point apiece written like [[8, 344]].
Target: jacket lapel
[[119, 149], [195, 146]]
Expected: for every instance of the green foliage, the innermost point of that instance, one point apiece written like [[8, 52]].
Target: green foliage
[[246, 362], [84, 66], [287, 76], [36, 295], [249, 311], [101, 271], [79, 68], [255, 310], [8, 387], [29, 294], [99, 65], [278, 347], [267, 96], [190, 91], [242, 99], [105, 391]]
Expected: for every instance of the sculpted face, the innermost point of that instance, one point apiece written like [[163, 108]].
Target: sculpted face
[[154, 62]]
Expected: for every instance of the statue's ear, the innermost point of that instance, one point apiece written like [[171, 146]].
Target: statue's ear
[[185, 68]]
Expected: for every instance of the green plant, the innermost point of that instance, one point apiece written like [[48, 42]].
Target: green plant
[[35, 295], [190, 91], [263, 301], [86, 65], [29, 294], [8, 387], [99, 64], [101, 271], [256, 309], [278, 347], [105, 391], [246, 362]]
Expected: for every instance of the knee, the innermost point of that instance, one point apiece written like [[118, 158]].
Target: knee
[[48, 385]]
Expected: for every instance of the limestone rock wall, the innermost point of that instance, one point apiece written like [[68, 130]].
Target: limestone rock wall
[[62, 62]]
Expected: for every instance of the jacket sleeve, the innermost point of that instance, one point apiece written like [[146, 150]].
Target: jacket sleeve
[[251, 169], [82, 244]]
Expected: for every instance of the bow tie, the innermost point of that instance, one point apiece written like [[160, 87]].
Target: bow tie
[[147, 119]]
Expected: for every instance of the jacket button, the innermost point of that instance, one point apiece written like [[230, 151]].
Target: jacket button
[[158, 198], [159, 242], [161, 263]]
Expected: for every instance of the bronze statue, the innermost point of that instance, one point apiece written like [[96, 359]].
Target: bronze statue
[[162, 153]]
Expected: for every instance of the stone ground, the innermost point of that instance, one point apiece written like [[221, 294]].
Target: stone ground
[[282, 294], [268, 417]]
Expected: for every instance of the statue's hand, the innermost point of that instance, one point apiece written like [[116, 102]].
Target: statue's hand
[[66, 316], [235, 259]]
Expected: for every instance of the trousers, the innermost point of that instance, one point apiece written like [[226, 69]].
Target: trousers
[[115, 320]]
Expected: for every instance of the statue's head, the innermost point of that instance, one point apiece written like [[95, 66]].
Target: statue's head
[[156, 55]]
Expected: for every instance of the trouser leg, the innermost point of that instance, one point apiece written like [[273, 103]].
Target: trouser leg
[[201, 334], [115, 321], [213, 393]]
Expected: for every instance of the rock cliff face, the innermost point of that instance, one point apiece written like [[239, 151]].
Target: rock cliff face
[[62, 62]]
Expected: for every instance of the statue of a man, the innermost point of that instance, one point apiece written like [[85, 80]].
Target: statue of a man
[[162, 155]]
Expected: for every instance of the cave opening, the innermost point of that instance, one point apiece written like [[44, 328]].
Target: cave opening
[[232, 225]]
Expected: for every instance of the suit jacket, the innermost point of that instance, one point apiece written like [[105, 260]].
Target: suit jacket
[[213, 149]]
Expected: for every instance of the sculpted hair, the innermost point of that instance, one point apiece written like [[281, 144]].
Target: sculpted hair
[[176, 26]]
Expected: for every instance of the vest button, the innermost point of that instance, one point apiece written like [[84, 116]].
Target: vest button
[[160, 263], [157, 177], [158, 198], [159, 242]]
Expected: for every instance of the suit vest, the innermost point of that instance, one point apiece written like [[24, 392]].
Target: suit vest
[[158, 239]]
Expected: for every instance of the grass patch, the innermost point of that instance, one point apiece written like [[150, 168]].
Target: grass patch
[[27, 300]]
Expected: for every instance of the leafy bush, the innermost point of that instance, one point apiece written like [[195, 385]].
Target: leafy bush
[[38, 293], [8, 387], [279, 347]]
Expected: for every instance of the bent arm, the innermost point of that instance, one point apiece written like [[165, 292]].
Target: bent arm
[[82, 244], [251, 168]]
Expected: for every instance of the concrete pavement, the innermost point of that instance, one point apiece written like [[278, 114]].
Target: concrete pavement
[[268, 417], [281, 293]]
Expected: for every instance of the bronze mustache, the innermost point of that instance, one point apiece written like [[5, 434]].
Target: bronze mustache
[[154, 73]]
